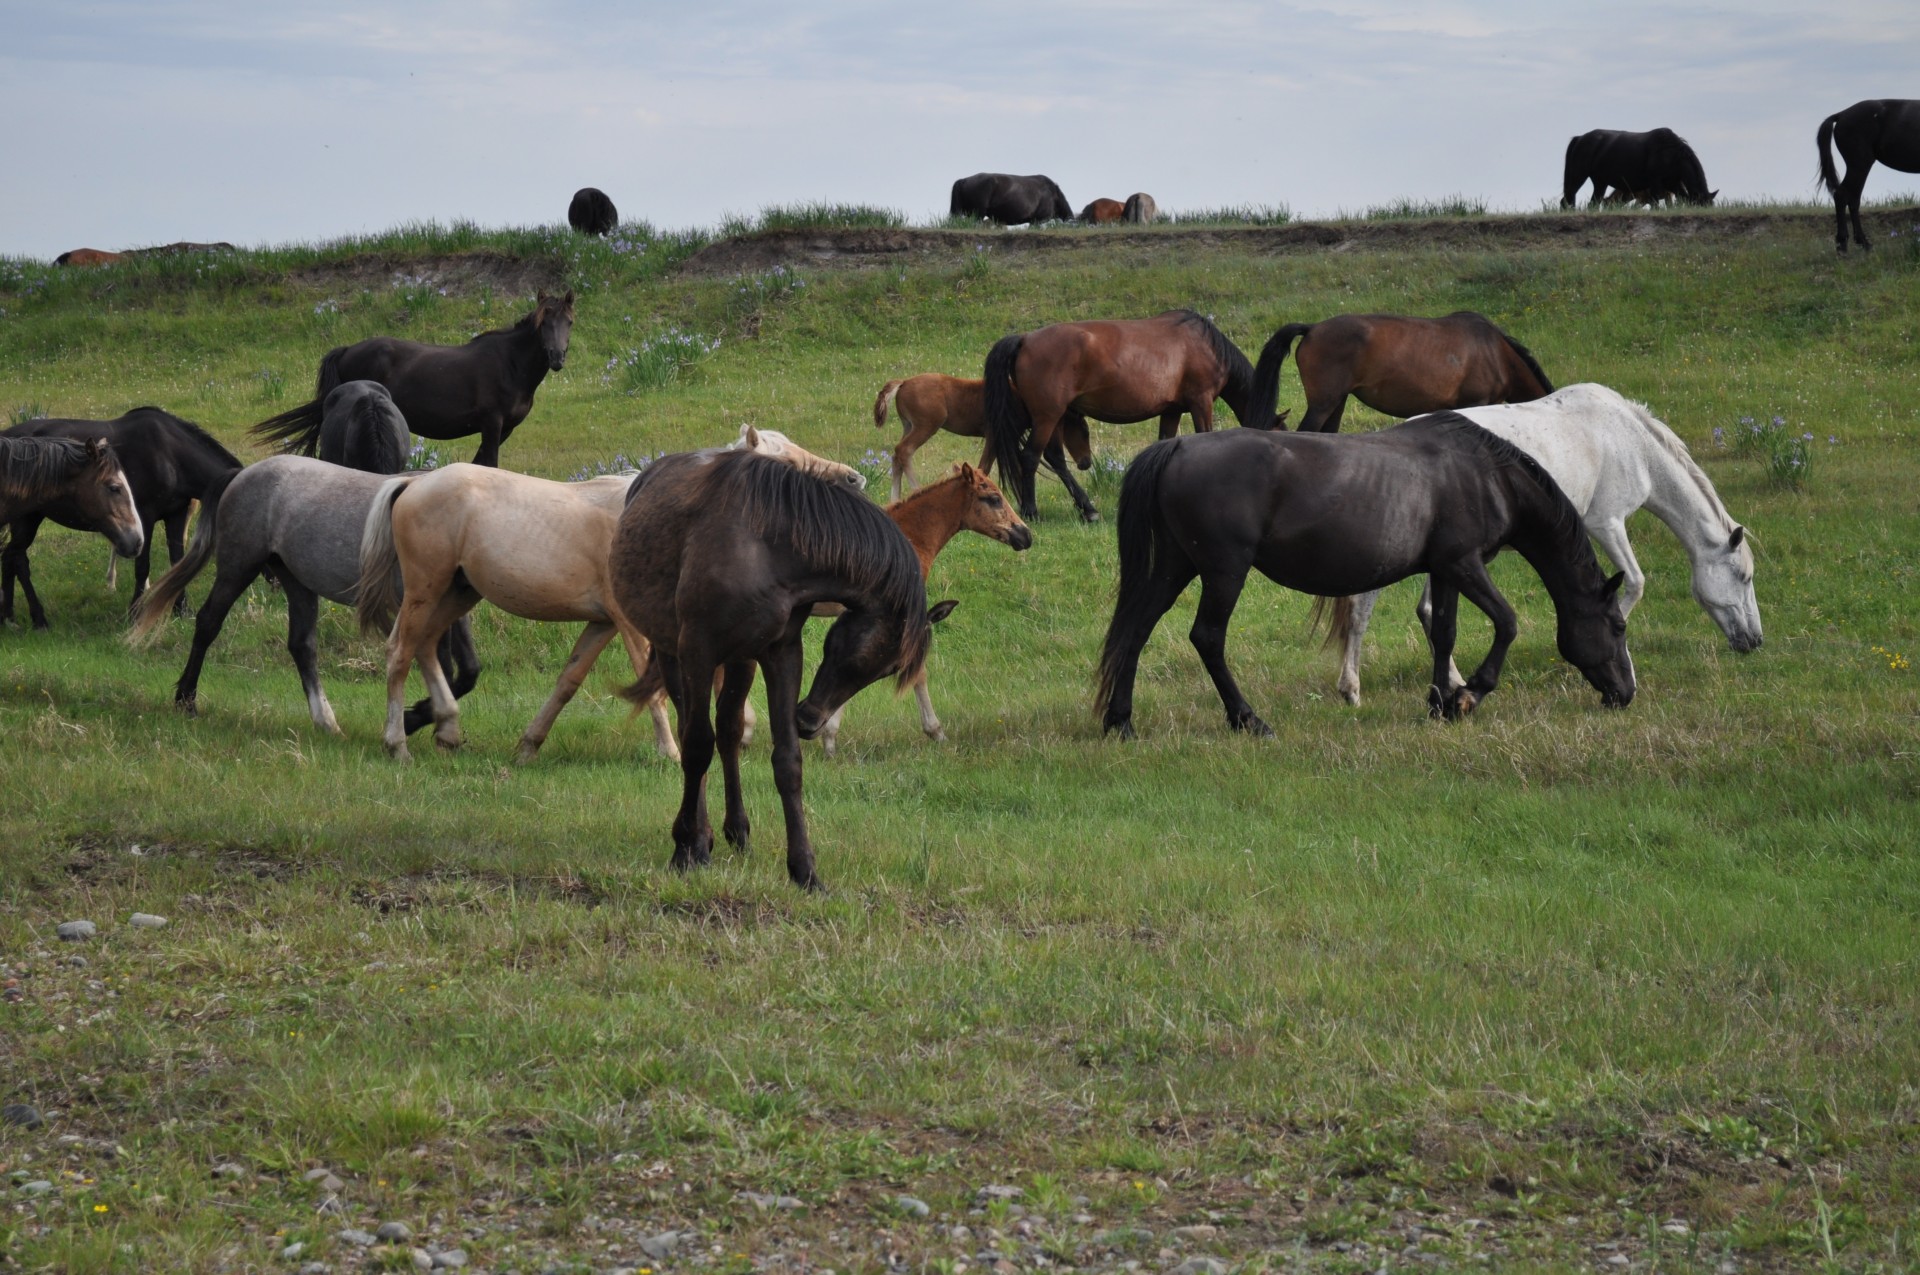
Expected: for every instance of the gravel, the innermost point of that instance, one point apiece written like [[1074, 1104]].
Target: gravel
[[393, 1232]]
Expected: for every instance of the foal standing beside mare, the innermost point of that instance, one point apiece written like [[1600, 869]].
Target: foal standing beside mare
[[1887, 130], [444, 391], [1646, 168], [1397, 365], [931, 402]]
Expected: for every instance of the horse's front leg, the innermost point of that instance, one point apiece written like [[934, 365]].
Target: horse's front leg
[[1170, 424], [782, 667], [690, 684], [1612, 538], [492, 431], [21, 569], [733, 699], [1423, 612], [929, 723], [1219, 592], [1473, 583], [586, 650]]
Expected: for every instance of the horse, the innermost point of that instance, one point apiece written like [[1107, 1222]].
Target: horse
[[1339, 516], [1883, 129], [169, 464], [1612, 456], [1102, 211], [1139, 210], [932, 401], [535, 548], [718, 560], [444, 391], [1395, 364], [1644, 167], [84, 476], [88, 257], [1113, 370], [361, 428], [299, 517], [1008, 200], [591, 212]]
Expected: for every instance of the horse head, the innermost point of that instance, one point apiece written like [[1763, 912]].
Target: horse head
[[553, 319], [1723, 586], [864, 645], [105, 497], [988, 512], [771, 442], [1593, 638]]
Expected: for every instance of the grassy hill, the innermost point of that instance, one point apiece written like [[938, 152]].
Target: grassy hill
[[1550, 987]]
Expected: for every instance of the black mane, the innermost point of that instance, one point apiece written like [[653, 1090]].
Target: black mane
[[1563, 520], [1239, 370], [199, 435], [32, 466]]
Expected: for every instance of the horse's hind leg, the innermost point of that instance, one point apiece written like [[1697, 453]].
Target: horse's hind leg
[[1852, 191], [593, 640], [458, 653], [736, 682], [176, 531], [303, 624], [1219, 592], [910, 442], [1172, 574], [1348, 683]]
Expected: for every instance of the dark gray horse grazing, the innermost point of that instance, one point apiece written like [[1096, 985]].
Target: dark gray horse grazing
[[591, 212], [1883, 129], [362, 428], [1333, 516], [302, 517], [1009, 200], [1647, 168]]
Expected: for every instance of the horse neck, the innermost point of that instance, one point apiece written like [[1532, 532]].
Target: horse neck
[[1681, 495], [526, 353], [1554, 551], [929, 518]]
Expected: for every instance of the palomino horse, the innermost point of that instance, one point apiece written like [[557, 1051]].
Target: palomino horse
[[931, 402], [1121, 371], [1307, 510], [169, 464], [1395, 364], [1102, 212], [1886, 130], [719, 559], [85, 477], [484, 387], [1642, 167], [450, 539], [1611, 457]]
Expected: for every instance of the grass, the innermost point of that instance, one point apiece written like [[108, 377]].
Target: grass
[[1550, 980]]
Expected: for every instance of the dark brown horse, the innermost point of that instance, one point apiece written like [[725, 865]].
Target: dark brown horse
[[1394, 364], [1121, 371], [932, 401], [84, 476], [1884, 129], [718, 560], [484, 387], [1647, 168], [591, 212]]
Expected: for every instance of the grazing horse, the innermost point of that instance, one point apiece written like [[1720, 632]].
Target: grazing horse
[[444, 391], [86, 477], [591, 212], [297, 516], [1139, 210], [362, 428], [1009, 200], [1396, 365], [1610, 457], [1640, 167], [1884, 129], [718, 560], [931, 402], [169, 464], [1337, 516], [537, 549], [1102, 211], [1121, 371], [87, 257]]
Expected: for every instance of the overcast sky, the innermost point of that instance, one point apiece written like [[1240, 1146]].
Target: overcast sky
[[154, 120]]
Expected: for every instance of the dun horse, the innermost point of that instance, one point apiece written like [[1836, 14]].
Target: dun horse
[[1396, 365], [718, 560], [1886, 130], [84, 477], [931, 402], [1307, 511], [1121, 371], [484, 387]]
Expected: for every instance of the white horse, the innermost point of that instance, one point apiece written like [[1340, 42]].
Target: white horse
[[1611, 456]]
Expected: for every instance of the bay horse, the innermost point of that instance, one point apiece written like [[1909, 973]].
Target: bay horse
[[362, 428], [1121, 371], [1008, 200], [932, 401], [1337, 516], [1395, 364], [1882, 129], [436, 545], [88, 257], [591, 212], [1611, 456], [1102, 212], [444, 391], [169, 463], [84, 476], [1649, 167], [718, 560]]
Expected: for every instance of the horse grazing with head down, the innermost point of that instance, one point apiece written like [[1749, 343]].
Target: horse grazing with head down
[[1009, 200], [1102, 212], [484, 387], [718, 560], [1647, 168], [83, 476], [1336, 516], [1121, 371], [1886, 130], [931, 402], [591, 212], [1395, 364], [1139, 210]]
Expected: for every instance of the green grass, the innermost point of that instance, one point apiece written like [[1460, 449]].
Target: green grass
[[1568, 973]]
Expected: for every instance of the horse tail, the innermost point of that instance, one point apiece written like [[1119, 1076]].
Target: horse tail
[[385, 448], [1264, 396], [1339, 619], [885, 401], [1138, 533], [298, 430], [157, 602], [1008, 422], [1533, 364], [1824, 143], [377, 597]]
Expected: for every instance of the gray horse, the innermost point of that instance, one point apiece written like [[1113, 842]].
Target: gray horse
[[303, 516], [361, 427]]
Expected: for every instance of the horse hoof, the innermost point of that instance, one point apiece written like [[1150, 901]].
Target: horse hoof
[[1255, 727], [525, 754], [448, 745], [1464, 702], [399, 752], [1089, 516], [1123, 728], [1351, 696], [738, 837]]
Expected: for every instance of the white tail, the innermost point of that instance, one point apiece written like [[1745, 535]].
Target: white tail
[[378, 595]]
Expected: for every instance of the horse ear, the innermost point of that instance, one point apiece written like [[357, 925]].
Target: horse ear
[[968, 472], [1712, 195], [750, 438], [1613, 585], [1739, 536], [1280, 418], [97, 450], [941, 610], [568, 299]]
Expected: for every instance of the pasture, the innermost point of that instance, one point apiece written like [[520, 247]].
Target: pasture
[[1551, 987]]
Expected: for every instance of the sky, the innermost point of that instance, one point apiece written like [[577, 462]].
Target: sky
[[151, 121]]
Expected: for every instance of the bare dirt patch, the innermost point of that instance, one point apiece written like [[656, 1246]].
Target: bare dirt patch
[[459, 273]]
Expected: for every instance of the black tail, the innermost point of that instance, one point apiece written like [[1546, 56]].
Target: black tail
[[381, 449], [1824, 141], [1533, 364], [299, 430], [1264, 396], [157, 602], [1008, 423], [1138, 533], [1237, 391]]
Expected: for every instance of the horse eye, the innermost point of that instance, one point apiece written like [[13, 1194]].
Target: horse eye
[[992, 502]]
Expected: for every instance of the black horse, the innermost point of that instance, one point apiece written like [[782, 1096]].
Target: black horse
[[1884, 129], [1009, 200], [1646, 168], [484, 387], [1334, 516], [169, 464], [591, 212]]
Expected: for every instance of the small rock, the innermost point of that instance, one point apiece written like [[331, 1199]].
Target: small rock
[[315, 1268], [355, 1236], [1200, 1266], [452, 1259], [76, 961], [331, 1184], [998, 1193], [1674, 1226], [660, 1247], [40, 1186], [332, 1206], [911, 1206], [1619, 1259], [393, 1232], [146, 921], [1200, 1232], [314, 1175], [228, 1169], [1081, 1219], [19, 1113], [292, 1251], [765, 1202], [422, 1260], [76, 931], [960, 1234]]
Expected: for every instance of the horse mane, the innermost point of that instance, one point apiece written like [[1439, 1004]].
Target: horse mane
[[927, 490], [1526, 356], [29, 466], [197, 434], [1563, 520], [1239, 369], [1683, 456]]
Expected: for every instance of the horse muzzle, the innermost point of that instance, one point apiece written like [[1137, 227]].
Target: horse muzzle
[[128, 544], [1743, 642], [1019, 538], [555, 362], [1616, 698], [808, 720]]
